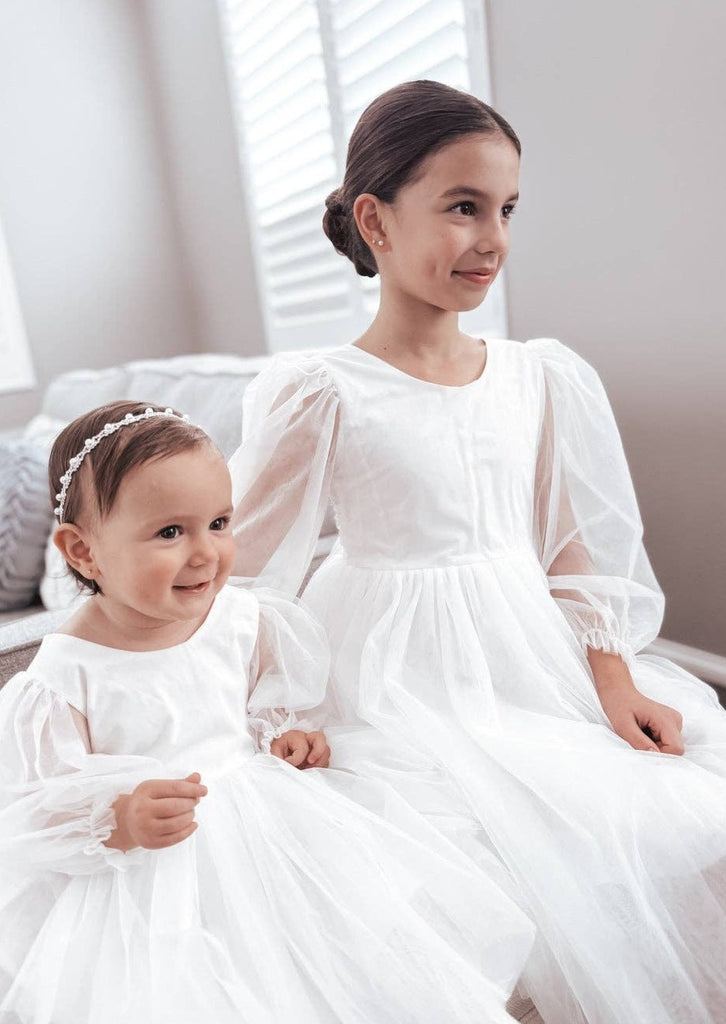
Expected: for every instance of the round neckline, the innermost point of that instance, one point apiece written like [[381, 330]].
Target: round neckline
[[201, 629], [483, 376]]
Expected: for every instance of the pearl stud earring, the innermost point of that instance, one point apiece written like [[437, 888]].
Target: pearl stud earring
[[379, 241]]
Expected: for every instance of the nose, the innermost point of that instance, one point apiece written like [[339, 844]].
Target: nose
[[493, 237], [203, 549]]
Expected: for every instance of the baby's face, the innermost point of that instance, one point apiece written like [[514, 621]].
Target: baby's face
[[165, 549]]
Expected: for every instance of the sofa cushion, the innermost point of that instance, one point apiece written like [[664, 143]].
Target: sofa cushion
[[25, 521], [207, 386]]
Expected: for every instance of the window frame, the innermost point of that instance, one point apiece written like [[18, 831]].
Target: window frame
[[17, 372]]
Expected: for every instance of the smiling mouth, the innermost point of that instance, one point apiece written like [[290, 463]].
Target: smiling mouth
[[478, 276], [193, 588]]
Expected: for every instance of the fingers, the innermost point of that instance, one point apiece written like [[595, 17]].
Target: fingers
[[161, 789], [299, 747], [170, 807], [668, 737], [170, 826], [631, 732], [171, 840], [160, 812], [661, 734], [278, 747], [319, 754]]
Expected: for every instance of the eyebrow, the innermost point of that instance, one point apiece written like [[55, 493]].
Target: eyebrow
[[171, 520], [468, 190]]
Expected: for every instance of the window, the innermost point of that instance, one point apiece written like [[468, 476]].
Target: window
[[16, 371], [302, 71]]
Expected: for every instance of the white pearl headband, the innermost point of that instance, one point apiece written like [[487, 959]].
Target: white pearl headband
[[91, 442]]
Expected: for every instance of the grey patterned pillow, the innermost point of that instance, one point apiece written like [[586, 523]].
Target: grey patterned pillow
[[25, 521]]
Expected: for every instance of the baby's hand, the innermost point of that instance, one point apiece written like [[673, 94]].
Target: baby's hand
[[319, 755], [643, 723], [302, 749], [159, 813]]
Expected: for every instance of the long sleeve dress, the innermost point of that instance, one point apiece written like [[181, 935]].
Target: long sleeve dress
[[488, 536], [291, 902]]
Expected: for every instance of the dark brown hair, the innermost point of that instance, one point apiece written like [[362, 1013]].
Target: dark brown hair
[[99, 477], [392, 138]]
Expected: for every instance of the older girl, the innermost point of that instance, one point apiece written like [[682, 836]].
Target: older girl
[[490, 593]]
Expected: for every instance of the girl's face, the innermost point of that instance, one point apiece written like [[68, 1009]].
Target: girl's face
[[447, 232], [165, 549]]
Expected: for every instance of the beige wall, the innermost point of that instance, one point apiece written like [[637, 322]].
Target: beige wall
[[618, 250]]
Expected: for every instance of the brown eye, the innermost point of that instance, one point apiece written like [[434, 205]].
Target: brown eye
[[169, 533]]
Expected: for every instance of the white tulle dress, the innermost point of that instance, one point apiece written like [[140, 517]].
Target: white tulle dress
[[289, 903], [488, 534]]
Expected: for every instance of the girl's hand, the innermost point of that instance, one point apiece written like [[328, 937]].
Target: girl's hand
[[302, 749], [643, 723], [159, 813]]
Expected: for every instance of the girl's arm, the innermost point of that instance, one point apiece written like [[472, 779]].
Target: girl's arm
[[590, 539], [288, 676], [282, 472], [644, 723]]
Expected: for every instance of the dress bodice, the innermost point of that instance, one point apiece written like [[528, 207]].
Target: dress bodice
[[187, 701], [428, 474]]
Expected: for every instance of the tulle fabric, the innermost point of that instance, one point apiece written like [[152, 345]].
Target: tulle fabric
[[309, 896], [588, 528], [281, 475], [488, 536]]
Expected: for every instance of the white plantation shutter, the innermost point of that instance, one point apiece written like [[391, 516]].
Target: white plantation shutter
[[16, 371], [302, 71]]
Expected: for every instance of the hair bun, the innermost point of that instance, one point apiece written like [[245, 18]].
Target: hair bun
[[340, 227], [334, 203], [336, 223]]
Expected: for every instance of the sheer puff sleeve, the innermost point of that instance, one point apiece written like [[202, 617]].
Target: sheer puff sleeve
[[289, 670], [56, 796], [281, 473], [586, 520]]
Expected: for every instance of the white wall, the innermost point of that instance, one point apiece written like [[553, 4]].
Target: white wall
[[84, 193], [188, 65], [618, 250]]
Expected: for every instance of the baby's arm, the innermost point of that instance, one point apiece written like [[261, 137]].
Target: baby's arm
[[158, 813], [643, 723], [57, 794]]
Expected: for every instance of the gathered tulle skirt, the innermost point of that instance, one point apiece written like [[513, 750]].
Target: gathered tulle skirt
[[464, 687], [289, 903]]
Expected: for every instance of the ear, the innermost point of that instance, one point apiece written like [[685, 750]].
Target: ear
[[369, 213], [75, 546]]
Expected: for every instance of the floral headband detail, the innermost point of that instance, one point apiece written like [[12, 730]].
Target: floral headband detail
[[91, 442]]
